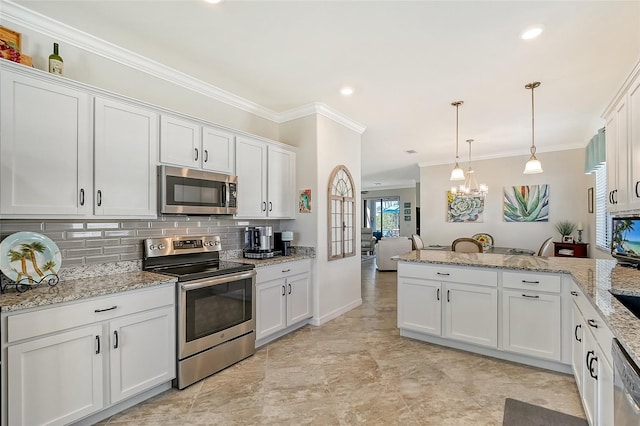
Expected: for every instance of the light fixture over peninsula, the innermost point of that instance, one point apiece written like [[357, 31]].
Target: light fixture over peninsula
[[533, 166], [470, 186], [457, 173]]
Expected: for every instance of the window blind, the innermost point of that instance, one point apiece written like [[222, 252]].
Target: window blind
[[603, 219]]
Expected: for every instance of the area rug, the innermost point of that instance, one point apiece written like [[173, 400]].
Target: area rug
[[518, 413]]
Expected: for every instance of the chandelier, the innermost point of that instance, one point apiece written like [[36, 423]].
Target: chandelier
[[533, 165], [457, 173], [470, 187]]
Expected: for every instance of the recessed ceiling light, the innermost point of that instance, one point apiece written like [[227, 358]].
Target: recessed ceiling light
[[532, 32], [213, 1], [346, 91]]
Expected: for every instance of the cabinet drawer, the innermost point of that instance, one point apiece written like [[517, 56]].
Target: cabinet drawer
[[51, 320], [282, 270], [537, 282], [449, 274]]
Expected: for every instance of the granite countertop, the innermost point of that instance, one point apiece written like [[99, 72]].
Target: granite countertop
[[272, 261], [596, 277], [78, 289]]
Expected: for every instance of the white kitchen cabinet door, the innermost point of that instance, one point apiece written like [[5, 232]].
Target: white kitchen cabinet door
[[218, 151], [271, 315], [634, 143], [589, 385], [142, 352], [617, 158], [251, 169], [531, 323], [281, 183], [471, 314], [298, 298], [126, 138], [577, 346], [45, 148], [180, 142], [56, 380], [419, 305]]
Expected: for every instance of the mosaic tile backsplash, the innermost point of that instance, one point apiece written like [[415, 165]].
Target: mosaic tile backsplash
[[84, 242]]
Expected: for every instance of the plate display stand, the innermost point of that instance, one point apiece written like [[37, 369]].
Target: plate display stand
[[27, 283]]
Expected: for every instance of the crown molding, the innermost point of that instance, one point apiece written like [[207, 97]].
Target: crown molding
[[322, 109], [42, 24]]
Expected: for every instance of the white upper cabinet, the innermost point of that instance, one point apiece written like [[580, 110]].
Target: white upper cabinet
[[266, 180], [218, 150], [45, 148], [188, 144], [622, 120], [180, 142], [633, 105], [126, 140]]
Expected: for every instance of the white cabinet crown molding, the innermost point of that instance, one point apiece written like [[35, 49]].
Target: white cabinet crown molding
[[37, 22]]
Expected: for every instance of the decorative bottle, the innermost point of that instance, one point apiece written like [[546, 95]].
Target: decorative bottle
[[56, 66]]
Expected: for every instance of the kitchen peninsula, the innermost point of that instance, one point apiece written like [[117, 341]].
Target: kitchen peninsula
[[547, 312]]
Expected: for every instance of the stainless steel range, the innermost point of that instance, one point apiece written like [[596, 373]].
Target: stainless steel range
[[215, 304]]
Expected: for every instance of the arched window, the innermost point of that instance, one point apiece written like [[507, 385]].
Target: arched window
[[341, 214]]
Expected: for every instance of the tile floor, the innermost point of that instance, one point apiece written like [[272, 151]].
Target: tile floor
[[356, 369]]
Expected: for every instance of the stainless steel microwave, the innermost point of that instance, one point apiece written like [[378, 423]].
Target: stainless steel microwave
[[189, 191]]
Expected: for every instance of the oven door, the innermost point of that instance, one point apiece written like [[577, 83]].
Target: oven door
[[188, 191], [212, 311]]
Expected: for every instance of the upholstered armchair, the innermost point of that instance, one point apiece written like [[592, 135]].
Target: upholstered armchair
[[367, 240], [388, 248]]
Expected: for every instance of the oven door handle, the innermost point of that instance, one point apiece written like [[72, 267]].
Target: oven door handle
[[208, 282]]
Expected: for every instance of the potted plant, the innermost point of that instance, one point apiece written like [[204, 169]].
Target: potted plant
[[565, 228]]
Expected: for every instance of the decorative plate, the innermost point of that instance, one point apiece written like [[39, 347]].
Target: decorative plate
[[485, 239], [29, 256]]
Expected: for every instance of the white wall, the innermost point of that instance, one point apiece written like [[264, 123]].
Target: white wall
[[93, 69], [563, 172], [406, 195]]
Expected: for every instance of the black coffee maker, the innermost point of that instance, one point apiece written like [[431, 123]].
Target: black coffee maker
[[282, 242]]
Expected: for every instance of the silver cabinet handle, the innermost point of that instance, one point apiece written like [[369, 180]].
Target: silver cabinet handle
[[289, 288], [284, 290], [530, 282], [99, 198], [574, 293], [115, 335], [444, 274], [98, 345], [206, 155], [264, 206], [592, 323], [270, 206], [575, 332], [284, 271], [196, 159], [81, 196], [448, 296], [438, 294]]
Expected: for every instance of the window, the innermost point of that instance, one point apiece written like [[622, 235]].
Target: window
[[383, 216], [342, 214], [603, 218]]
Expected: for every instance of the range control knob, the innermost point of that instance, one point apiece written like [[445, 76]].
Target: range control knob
[[152, 247], [160, 246]]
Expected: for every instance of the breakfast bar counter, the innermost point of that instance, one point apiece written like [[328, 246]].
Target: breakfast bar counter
[[597, 278]]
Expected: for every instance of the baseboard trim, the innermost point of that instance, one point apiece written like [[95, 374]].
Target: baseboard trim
[[318, 321]]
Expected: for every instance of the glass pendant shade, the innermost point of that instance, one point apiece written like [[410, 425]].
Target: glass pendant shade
[[457, 173], [533, 166]]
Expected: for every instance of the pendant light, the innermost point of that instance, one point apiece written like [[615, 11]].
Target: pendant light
[[457, 173], [533, 165], [471, 187]]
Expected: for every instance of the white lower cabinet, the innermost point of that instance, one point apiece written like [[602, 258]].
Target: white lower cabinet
[[471, 314], [531, 323], [60, 370], [592, 361], [458, 311], [56, 379], [283, 297]]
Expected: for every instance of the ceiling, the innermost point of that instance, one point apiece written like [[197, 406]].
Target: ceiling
[[407, 61]]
